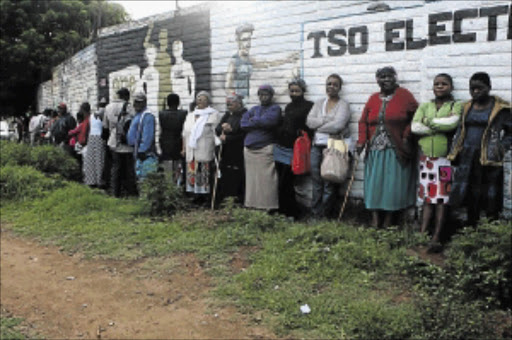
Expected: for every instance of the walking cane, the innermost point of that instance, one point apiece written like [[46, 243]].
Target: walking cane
[[350, 185], [217, 175]]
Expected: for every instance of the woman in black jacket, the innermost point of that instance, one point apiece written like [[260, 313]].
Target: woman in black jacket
[[294, 122], [232, 180]]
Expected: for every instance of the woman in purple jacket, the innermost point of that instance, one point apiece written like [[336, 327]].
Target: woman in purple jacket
[[260, 124]]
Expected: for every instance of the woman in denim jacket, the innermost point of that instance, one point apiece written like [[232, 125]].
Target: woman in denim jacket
[[479, 147]]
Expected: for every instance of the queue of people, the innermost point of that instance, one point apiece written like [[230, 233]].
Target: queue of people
[[442, 153]]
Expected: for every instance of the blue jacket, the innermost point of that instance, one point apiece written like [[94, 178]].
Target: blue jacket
[[260, 123], [143, 138]]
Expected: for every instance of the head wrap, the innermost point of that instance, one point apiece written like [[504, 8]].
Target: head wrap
[[299, 82], [206, 94], [234, 97], [483, 77], [266, 88], [385, 69]]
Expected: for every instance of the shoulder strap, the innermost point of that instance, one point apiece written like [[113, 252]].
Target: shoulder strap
[[123, 111]]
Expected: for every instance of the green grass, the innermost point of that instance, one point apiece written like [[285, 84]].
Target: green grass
[[358, 282], [8, 328]]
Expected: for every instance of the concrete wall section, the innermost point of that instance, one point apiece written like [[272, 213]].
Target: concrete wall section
[[74, 81]]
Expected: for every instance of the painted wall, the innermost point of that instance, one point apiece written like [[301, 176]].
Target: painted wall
[[283, 39], [418, 38], [163, 56]]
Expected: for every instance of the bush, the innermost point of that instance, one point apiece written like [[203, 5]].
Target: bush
[[14, 153], [50, 159], [462, 299], [160, 196], [25, 182], [481, 260], [46, 158]]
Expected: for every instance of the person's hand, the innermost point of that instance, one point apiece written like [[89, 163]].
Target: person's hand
[[226, 127], [223, 138], [182, 153], [359, 149]]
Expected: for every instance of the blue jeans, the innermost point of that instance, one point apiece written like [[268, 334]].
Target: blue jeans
[[323, 191]]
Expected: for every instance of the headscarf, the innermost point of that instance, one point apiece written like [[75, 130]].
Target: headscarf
[[266, 87], [385, 69], [197, 129]]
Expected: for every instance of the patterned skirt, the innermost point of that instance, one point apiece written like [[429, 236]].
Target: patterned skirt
[[94, 161], [198, 177], [435, 180]]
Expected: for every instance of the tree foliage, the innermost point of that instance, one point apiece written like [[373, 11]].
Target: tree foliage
[[37, 35]]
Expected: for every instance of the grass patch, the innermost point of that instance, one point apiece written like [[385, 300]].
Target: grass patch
[[358, 282]]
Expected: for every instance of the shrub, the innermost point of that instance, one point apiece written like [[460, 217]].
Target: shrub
[[50, 159], [14, 153], [160, 196], [46, 158], [25, 182], [481, 260]]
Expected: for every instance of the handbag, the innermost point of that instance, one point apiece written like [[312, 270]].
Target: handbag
[[301, 160], [336, 162]]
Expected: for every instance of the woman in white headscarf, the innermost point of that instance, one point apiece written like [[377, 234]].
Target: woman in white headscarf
[[199, 144]]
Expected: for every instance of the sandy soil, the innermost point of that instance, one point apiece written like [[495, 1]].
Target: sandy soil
[[64, 296]]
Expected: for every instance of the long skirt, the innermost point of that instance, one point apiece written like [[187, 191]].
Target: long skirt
[[388, 185], [94, 161], [260, 178], [198, 177]]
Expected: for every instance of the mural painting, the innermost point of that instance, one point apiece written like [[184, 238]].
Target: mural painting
[[242, 64], [168, 56]]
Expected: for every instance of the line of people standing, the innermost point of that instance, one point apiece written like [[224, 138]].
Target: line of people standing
[[246, 154]]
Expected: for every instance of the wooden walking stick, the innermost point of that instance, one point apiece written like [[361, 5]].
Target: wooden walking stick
[[350, 185], [217, 175]]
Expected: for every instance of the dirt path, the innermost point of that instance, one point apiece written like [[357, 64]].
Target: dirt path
[[63, 296]]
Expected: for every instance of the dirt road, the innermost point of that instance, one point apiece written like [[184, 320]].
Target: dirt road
[[63, 296]]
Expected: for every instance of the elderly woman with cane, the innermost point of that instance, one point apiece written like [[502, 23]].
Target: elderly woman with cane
[[199, 147]]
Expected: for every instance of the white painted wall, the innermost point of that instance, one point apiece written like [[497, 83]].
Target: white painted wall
[[282, 27]]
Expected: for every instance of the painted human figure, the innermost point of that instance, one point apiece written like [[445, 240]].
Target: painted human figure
[[241, 65], [183, 78]]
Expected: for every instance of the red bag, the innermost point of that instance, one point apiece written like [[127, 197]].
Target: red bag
[[301, 161]]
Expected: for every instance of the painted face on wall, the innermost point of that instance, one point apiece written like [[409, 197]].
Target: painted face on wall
[[202, 102], [442, 87], [244, 44], [151, 55], [177, 48], [332, 87], [265, 97], [479, 90]]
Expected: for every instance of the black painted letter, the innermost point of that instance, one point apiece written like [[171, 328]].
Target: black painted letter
[[434, 28], [352, 32], [492, 26], [317, 36], [409, 37], [338, 42], [391, 34], [457, 25]]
